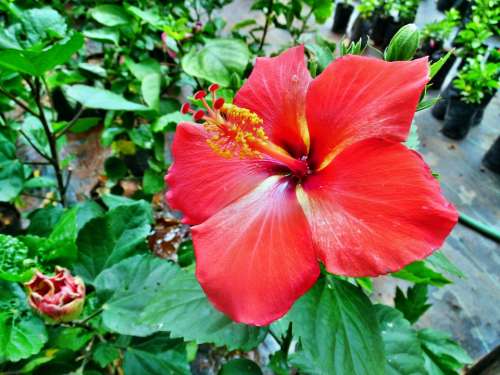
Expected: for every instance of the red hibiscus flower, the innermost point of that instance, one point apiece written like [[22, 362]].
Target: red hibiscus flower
[[299, 170]]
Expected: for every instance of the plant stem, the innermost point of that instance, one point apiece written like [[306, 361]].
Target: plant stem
[[266, 25], [40, 152], [52, 141], [18, 102], [71, 123], [304, 25], [91, 316], [287, 341]]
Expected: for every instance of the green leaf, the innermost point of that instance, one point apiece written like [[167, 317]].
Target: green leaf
[[83, 124], [217, 60], [103, 35], [401, 345], [145, 294], [94, 97], [435, 67], [20, 337], [106, 240], [11, 171], [38, 62], [115, 168], [69, 338], [156, 355], [39, 183], [240, 366], [61, 244], [41, 23], [322, 9], [413, 141], [42, 220], [418, 272], [169, 121], [14, 262], [150, 90], [110, 15], [338, 331], [440, 261], [105, 353], [144, 68], [414, 304], [403, 44], [152, 182], [442, 351]]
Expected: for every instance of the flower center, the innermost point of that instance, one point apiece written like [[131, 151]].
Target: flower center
[[239, 132]]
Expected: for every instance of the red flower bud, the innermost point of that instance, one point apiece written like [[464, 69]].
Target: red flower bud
[[58, 298]]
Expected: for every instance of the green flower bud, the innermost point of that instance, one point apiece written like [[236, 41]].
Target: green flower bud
[[404, 44]]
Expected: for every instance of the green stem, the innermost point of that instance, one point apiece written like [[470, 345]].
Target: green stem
[[89, 317], [266, 25], [482, 228], [18, 102]]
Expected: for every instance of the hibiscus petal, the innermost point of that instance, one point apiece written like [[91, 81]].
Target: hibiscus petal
[[375, 209], [357, 98], [255, 257], [201, 182], [276, 91]]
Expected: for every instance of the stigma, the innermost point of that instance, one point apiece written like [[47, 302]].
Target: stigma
[[238, 132]]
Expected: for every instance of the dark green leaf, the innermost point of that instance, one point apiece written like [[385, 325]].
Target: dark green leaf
[[401, 344], [11, 171], [435, 67], [146, 294], [43, 220], [115, 168], [70, 338], [338, 331], [150, 90], [217, 60], [94, 97], [440, 261], [105, 353], [414, 304], [103, 35], [240, 366], [106, 240], [152, 182], [42, 23]]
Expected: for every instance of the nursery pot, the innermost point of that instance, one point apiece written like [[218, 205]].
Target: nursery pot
[[360, 30], [458, 118], [443, 5], [379, 26], [10, 218], [437, 81], [431, 46], [478, 117], [341, 19], [391, 29], [491, 159], [439, 109]]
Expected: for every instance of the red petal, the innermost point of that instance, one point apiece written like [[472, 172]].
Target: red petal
[[357, 98], [201, 182], [375, 209], [276, 91], [255, 257]]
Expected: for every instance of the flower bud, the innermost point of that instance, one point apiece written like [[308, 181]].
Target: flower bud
[[404, 44], [58, 298]]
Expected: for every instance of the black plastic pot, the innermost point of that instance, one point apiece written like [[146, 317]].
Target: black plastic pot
[[478, 117], [439, 109], [10, 219], [378, 30], [341, 19], [360, 30], [391, 29], [443, 5], [437, 81], [458, 118], [491, 159]]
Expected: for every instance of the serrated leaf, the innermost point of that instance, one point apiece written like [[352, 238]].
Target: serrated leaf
[[14, 265], [418, 272], [414, 304], [105, 353], [106, 240], [94, 97], [145, 294], [20, 337], [338, 331], [401, 344], [217, 60]]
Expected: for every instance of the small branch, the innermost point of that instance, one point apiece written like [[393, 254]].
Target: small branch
[[51, 139], [36, 162], [304, 24], [266, 25], [18, 102], [40, 152], [91, 316], [68, 179], [71, 123]]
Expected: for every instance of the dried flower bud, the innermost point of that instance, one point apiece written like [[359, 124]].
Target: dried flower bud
[[59, 298]]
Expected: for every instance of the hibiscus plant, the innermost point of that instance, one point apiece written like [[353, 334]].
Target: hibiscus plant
[[239, 231]]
